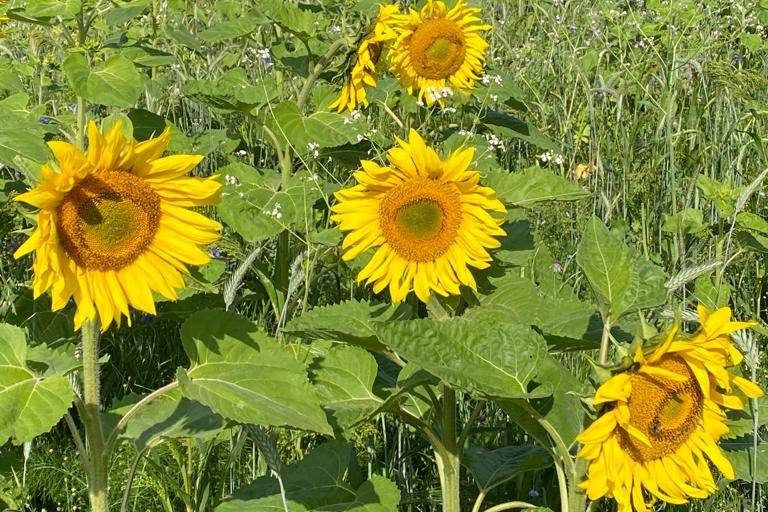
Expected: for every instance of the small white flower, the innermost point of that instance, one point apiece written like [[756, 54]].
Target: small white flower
[[313, 148], [465, 133], [545, 157], [559, 160], [241, 152]]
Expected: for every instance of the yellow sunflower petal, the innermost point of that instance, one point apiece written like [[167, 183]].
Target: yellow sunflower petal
[[106, 236], [416, 214]]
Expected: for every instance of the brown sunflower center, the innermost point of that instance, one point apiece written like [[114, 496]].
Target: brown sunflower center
[[437, 48], [420, 219], [107, 220], [666, 411]]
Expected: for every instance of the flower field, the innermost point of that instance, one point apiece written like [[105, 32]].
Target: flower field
[[430, 255]]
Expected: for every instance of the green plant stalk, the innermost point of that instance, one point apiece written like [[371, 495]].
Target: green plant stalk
[[96, 465], [448, 459]]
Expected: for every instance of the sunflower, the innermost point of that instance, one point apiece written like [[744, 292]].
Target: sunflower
[[428, 218], [3, 19], [114, 224], [367, 55], [664, 418], [439, 50]]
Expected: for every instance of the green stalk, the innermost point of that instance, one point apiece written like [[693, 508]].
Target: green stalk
[[448, 459], [97, 463]]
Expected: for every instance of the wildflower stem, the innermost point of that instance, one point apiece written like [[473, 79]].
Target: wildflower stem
[[97, 463]]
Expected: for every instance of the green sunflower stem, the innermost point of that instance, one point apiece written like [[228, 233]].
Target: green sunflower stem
[[448, 458], [96, 465]]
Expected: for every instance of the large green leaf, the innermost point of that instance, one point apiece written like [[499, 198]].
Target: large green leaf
[[351, 322], [326, 129], [303, 23], [741, 453], [533, 186], [256, 206], [321, 481], [21, 136], [170, 416], [567, 323], [114, 82], [491, 468], [243, 374], [491, 360], [234, 90], [621, 278], [562, 409], [30, 404], [344, 379], [228, 30]]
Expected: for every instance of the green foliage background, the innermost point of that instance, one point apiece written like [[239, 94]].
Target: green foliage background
[[663, 104]]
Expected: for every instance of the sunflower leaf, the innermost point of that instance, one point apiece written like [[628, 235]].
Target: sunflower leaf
[[326, 479], [30, 404], [621, 278], [498, 360], [243, 374]]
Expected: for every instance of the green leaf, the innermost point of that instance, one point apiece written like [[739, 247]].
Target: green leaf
[[327, 129], [146, 124], [51, 8], [491, 468], [58, 359], [752, 222], [351, 322], [563, 409], [689, 220], [742, 455], [303, 23], [115, 82], [532, 187], [707, 294], [126, 12], [234, 91], [9, 77], [567, 323], [30, 404], [243, 374], [21, 136], [76, 69], [741, 423], [321, 481], [344, 379], [504, 125], [490, 360], [620, 277], [256, 206], [171, 416], [228, 30]]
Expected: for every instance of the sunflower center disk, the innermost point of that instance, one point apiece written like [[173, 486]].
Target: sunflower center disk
[[666, 411], [437, 49], [420, 219], [107, 220]]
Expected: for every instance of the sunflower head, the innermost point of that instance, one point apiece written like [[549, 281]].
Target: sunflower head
[[428, 218], [363, 71], [663, 418], [439, 49], [114, 226]]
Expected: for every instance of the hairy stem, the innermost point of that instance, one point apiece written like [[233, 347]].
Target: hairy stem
[[97, 477], [448, 464]]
